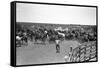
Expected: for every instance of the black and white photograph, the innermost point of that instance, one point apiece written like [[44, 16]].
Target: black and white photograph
[[48, 33]]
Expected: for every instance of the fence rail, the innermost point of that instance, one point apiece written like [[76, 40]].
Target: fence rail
[[85, 52]]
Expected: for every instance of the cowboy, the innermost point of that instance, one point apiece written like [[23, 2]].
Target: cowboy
[[57, 46]]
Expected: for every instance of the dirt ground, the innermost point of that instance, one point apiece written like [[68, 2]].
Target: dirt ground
[[41, 54]]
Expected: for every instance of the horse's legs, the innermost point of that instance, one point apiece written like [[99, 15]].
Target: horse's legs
[[20, 43], [35, 40], [31, 38], [26, 41], [43, 40]]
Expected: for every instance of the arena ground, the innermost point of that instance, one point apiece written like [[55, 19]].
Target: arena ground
[[41, 54]]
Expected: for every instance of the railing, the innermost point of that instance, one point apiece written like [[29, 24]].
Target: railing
[[85, 52]]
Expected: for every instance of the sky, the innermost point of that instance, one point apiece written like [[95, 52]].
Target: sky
[[41, 13]]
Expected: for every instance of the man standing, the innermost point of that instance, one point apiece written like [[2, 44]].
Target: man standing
[[57, 46], [68, 57]]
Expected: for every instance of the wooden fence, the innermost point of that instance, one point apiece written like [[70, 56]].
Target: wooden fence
[[85, 52]]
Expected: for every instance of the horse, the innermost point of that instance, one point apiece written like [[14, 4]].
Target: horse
[[21, 39]]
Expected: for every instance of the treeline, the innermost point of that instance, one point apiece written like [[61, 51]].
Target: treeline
[[81, 33]]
